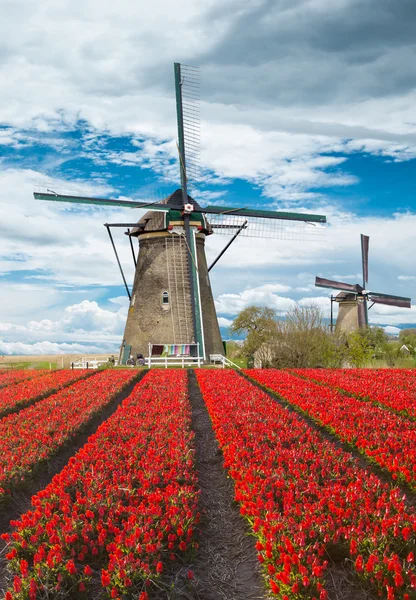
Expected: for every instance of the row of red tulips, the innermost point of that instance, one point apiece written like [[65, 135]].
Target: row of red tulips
[[14, 397], [18, 375], [386, 438], [304, 498], [394, 389], [36, 433], [122, 509]]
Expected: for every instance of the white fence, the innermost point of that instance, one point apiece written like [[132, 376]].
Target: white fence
[[88, 362], [222, 360], [174, 361]]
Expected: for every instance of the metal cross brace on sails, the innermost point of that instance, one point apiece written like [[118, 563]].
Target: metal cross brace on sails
[[190, 218]]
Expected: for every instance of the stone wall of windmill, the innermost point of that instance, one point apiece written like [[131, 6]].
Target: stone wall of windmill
[[160, 310], [347, 319]]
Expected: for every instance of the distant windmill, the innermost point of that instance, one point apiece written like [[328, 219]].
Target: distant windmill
[[171, 303], [353, 299]]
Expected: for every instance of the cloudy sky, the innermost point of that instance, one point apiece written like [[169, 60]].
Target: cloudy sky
[[305, 105]]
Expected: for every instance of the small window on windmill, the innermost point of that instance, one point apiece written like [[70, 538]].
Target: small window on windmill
[[165, 299]]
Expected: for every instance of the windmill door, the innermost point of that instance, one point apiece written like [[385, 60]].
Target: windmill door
[[126, 354]]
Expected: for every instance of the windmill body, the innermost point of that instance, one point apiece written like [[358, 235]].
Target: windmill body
[[171, 303], [353, 299], [161, 310], [349, 312]]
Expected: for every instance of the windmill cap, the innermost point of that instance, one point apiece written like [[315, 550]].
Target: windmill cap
[[176, 200], [154, 220]]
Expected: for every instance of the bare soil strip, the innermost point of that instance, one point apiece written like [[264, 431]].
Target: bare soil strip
[[226, 565]]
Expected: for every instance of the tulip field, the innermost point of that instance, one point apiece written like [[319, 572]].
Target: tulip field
[[321, 467]]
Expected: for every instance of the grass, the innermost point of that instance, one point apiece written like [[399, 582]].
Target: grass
[[404, 362], [240, 362], [28, 365]]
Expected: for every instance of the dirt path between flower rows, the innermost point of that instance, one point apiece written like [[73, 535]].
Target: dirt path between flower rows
[[226, 565], [20, 500]]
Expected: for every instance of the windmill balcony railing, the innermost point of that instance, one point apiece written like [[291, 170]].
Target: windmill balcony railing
[[174, 361], [174, 355]]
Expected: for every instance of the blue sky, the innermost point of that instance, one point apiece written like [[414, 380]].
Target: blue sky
[[304, 106]]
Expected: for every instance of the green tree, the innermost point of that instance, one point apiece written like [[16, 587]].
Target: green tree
[[234, 350], [391, 353], [359, 349], [408, 338], [375, 336], [260, 326], [303, 340]]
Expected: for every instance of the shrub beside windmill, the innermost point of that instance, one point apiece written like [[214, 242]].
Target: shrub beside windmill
[[353, 299], [171, 302]]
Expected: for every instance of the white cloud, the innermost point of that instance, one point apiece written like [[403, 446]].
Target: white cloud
[[120, 301], [223, 322], [83, 322], [323, 302], [380, 314], [43, 348], [60, 243], [267, 118], [355, 277], [231, 304], [390, 330]]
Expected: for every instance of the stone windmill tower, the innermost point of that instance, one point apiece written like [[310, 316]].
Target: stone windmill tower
[[353, 299], [171, 302]]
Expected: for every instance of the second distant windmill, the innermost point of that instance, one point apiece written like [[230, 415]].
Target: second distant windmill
[[353, 299]]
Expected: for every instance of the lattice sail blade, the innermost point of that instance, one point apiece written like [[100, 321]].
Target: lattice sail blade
[[337, 285], [191, 122], [55, 197], [228, 211], [259, 227], [389, 300], [188, 118], [365, 242], [362, 313]]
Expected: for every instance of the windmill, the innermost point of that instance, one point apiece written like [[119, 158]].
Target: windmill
[[353, 298], [171, 303]]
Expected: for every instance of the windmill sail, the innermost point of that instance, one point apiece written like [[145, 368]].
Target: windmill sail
[[191, 122], [337, 285], [186, 90], [362, 313], [365, 242], [389, 300], [73, 199], [359, 295], [188, 121], [268, 224]]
